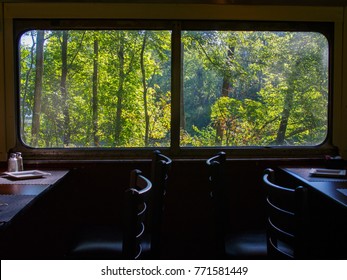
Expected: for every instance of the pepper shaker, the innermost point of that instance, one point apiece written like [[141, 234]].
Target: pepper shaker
[[19, 161]]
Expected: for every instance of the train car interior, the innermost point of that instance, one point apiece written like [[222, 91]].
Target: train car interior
[[173, 130]]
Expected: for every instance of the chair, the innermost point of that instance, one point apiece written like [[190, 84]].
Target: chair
[[286, 219], [159, 177], [242, 245], [110, 242]]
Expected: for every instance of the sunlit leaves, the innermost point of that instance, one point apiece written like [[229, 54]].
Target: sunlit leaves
[[240, 88], [113, 45], [277, 87]]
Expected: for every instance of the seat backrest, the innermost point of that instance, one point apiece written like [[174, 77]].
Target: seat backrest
[[286, 208], [216, 173], [136, 202], [159, 177]]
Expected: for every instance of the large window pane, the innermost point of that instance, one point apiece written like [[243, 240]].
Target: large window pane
[[86, 88], [254, 88]]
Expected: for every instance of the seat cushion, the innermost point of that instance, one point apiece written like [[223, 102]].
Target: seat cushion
[[246, 245], [103, 243], [97, 242]]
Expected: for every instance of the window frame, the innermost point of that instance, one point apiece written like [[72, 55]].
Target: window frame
[[175, 150]]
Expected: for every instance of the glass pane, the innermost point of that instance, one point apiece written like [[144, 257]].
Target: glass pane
[[88, 88], [254, 88]]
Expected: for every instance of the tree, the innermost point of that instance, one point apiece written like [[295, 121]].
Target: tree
[[35, 130], [27, 65], [112, 88], [64, 89], [95, 92], [145, 89]]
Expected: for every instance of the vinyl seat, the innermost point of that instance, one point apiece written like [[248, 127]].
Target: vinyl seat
[[118, 242], [229, 244]]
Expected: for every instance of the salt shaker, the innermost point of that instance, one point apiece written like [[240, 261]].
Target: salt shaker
[[19, 161], [12, 163]]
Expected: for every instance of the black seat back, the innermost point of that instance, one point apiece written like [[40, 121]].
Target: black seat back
[[137, 199], [159, 177], [287, 208], [218, 195]]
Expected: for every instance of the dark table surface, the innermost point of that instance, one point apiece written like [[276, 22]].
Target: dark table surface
[[18, 195], [334, 188]]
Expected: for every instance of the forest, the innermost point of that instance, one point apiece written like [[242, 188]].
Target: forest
[[113, 88]]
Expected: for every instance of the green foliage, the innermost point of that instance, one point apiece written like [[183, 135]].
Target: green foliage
[[263, 88], [111, 88], [240, 88]]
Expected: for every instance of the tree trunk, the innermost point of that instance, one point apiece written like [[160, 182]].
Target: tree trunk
[[95, 93], [144, 84], [63, 90], [287, 107], [226, 89], [182, 108], [35, 129], [120, 91], [26, 88]]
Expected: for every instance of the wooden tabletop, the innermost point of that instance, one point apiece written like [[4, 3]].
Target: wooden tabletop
[[333, 188], [17, 195], [20, 189]]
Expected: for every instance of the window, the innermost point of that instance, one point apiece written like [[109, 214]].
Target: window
[[115, 86], [255, 88], [95, 88]]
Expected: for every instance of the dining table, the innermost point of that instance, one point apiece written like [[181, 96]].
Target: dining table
[[17, 193], [331, 183], [26, 217], [326, 208]]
